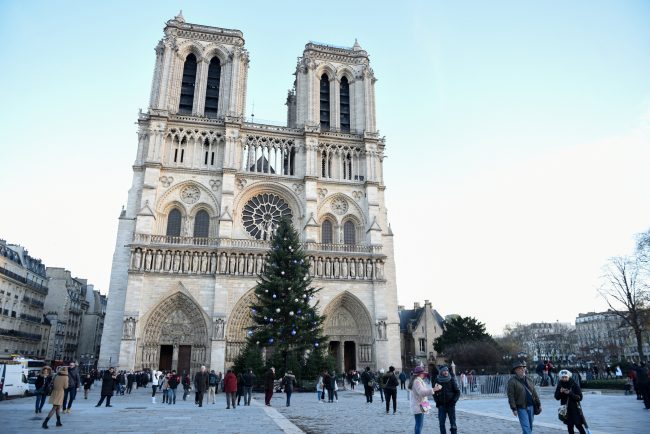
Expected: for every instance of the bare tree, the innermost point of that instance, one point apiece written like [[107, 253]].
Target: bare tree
[[627, 295]]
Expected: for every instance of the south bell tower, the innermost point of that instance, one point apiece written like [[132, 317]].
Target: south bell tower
[[209, 187]]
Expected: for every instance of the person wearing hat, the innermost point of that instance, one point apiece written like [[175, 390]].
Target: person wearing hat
[[60, 383], [568, 393], [523, 398], [446, 393], [419, 397]]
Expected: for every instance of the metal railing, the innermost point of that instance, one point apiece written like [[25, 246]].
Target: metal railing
[[488, 385]]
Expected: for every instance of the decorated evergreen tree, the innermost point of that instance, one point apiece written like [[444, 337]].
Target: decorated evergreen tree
[[285, 318]]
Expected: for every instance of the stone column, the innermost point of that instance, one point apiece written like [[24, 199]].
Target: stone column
[[175, 358]]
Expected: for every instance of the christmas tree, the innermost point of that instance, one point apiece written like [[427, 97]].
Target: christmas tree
[[286, 322]]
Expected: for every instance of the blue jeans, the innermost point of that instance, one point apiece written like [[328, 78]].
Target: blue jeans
[[443, 413], [68, 396], [526, 419], [288, 398], [40, 400], [171, 394], [419, 422], [248, 392]]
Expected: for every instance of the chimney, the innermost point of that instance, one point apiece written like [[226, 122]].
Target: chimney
[[427, 303], [416, 305]]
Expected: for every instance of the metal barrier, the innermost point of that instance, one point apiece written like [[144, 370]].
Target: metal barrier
[[491, 385]]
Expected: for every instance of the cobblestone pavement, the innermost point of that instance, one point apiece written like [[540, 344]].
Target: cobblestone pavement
[[136, 414]]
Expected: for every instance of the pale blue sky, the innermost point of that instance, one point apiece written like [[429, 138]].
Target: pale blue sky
[[517, 133]]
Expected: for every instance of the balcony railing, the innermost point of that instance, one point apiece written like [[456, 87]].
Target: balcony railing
[[146, 239], [35, 286], [20, 335]]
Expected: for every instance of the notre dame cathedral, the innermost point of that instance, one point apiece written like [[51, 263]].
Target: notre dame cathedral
[[209, 187]]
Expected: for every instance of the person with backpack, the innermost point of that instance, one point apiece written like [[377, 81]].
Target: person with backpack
[[445, 394], [212, 385], [43, 387], [390, 388], [402, 380]]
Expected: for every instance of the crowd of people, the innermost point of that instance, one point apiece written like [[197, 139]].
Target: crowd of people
[[442, 385]]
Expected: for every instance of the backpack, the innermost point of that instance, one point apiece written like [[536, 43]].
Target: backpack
[[392, 381]]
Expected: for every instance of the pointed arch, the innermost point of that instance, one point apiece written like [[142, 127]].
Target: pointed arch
[[347, 318], [239, 321]]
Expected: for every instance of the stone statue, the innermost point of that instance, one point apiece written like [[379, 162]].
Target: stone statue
[[137, 257], [379, 270], [336, 268], [168, 260], [186, 262], [147, 260], [344, 269], [129, 328], [232, 264], [258, 268], [241, 268], [360, 268], [353, 269], [195, 262], [213, 263], [328, 268], [250, 264], [223, 263], [369, 269], [204, 262], [312, 266], [177, 261], [158, 265], [218, 329], [319, 267]]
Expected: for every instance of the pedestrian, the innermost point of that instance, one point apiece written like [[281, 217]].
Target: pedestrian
[[230, 387], [154, 385], [130, 379], [59, 385], [355, 378], [249, 382], [402, 380], [419, 397], [240, 388], [288, 383], [569, 394], [212, 384], [446, 394], [320, 389], [43, 386], [173, 384], [269, 379], [522, 397], [87, 382], [165, 388], [619, 373], [368, 384], [390, 388], [187, 385], [643, 384], [380, 383], [335, 387], [327, 384], [74, 381], [108, 384], [200, 385]]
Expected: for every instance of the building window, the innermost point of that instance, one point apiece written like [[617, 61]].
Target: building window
[[174, 223], [212, 90], [326, 232], [345, 105], [349, 235], [202, 224], [187, 85], [423, 345], [324, 103]]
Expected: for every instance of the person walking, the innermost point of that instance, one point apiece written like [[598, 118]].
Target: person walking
[[165, 388], [240, 388], [230, 387], [249, 382], [419, 397], [59, 385], [288, 383], [269, 379], [43, 385], [380, 383], [200, 385], [402, 380], [643, 384], [569, 394], [173, 384], [130, 379], [446, 393], [327, 384], [74, 381], [368, 384], [154, 385], [335, 387], [108, 385], [390, 388], [87, 383], [187, 385], [212, 384], [523, 398]]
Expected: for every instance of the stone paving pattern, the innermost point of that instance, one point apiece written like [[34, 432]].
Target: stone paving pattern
[[611, 414]]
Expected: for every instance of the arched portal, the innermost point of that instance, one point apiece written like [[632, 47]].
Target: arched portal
[[239, 322], [176, 336], [349, 329]]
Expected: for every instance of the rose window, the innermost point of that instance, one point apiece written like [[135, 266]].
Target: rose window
[[263, 213]]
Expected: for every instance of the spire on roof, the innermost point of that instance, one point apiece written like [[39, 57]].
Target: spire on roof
[[180, 18], [356, 46]]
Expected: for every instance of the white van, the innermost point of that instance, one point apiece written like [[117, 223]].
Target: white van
[[13, 381]]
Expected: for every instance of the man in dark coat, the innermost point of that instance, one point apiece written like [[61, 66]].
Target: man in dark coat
[[643, 384], [249, 382], [446, 393], [201, 380], [74, 381], [368, 381], [269, 378], [108, 384]]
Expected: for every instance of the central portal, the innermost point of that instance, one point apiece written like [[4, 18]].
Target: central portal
[[184, 359], [166, 356]]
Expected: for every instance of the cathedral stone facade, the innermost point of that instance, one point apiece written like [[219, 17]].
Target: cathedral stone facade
[[209, 187]]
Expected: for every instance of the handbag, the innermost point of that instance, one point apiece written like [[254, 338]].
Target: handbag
[[562, 413], [425, 406]]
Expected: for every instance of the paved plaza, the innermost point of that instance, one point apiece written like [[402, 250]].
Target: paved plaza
[[611, 414]]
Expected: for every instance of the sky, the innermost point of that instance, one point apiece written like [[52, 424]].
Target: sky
[[517, 133]]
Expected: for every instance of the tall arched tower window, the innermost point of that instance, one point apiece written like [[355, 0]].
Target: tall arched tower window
[[345, 105], [212, 91], [187, 85], [349, 233], [174, 223], [202, 224], [324, 103], [326, 232]]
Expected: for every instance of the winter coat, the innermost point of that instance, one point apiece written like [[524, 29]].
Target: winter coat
[[390, 381], [517, 393], [87, 382], [201, 381], [58, 390], [419, 393], [249, 379], [571, 400], [108, 384], [74, 380], [449, 394], [230, 383], [269, 378], [42, 383], [240, 385], [173, 382], [288, 382]]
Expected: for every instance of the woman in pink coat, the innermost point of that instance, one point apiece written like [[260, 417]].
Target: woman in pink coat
[[420, 393]]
